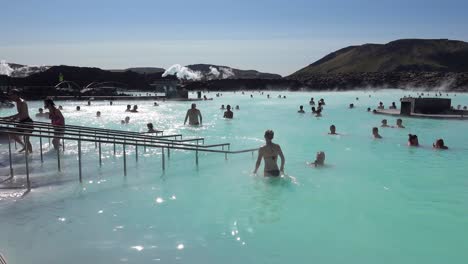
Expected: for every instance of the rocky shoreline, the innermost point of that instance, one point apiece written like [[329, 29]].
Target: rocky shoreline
[[451, 81]]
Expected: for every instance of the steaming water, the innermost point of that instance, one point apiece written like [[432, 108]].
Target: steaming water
[[377, 201]]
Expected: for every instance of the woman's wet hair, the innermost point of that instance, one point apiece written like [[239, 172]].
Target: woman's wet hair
[[48, 102], [269, 134]]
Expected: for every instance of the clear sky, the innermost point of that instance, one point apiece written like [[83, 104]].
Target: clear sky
[[270, 36]]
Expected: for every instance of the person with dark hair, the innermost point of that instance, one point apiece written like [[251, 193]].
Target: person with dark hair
[[351, 106], [368, 109], [151, 128], [135, 109], [381, 106], [25, 122], [384, 123], [439, 144], [399, 123], [301, 109], [57, 120], [98, 114], [332, 130], [78, 108], [129, 108], [393, 106], [375, 132], [270, 152], [313, 110], [41, 113], [228, 113], [413, 140], [192, 115]]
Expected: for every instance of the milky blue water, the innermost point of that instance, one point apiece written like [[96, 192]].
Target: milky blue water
[[376, 201]]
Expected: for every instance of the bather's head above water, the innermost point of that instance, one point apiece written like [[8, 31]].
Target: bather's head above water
[[269, 134], [413, 140]]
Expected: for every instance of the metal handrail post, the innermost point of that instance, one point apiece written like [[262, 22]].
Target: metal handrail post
[[58, 159], [100, 155], [9, 154], [28, 182], [79, 159], [125, 159], [163, 160], [40, 146]]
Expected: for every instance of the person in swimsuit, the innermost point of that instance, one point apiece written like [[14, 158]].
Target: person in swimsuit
[[270, 152], [26, 123], [301, 109], [228, 114], [192, 115], [57, 120], [439, 144]]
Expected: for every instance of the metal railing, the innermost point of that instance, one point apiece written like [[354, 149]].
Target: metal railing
[[103, 136]]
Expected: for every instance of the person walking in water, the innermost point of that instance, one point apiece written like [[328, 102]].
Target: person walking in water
[[25, 122], [228, 114], [57, 120], [270, 152], [192, 115]]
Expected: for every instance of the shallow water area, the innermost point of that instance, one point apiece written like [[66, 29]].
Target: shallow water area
[[375, 201]]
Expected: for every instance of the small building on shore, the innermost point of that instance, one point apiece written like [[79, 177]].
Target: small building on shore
[[427, 108]]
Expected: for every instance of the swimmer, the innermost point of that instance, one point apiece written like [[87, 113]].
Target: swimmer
[[368, 109], [318, 113], [319, 159], [60, 107], [41, 113], [375, 132], [228, 114], [439, 144], [125, 121], [89, 102], [270, 152], [393, 106], [78, 108], [110, 103], [381, 106], [237, 107], [135, 109], [192, 115], [311, 102], [301, 109], [332, 130], [413, 140], [399, 123], [156, 104], [222, 107], [384, 123], [313, 110], [151, 128], [351, 106], [98, 114], [129, 108]]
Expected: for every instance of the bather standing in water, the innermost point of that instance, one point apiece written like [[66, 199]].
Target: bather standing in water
[[192, 115], [270, 152], [228, 114], [25, 122], [399, 123]]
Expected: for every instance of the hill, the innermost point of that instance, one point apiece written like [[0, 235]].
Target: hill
[[405, 55]]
